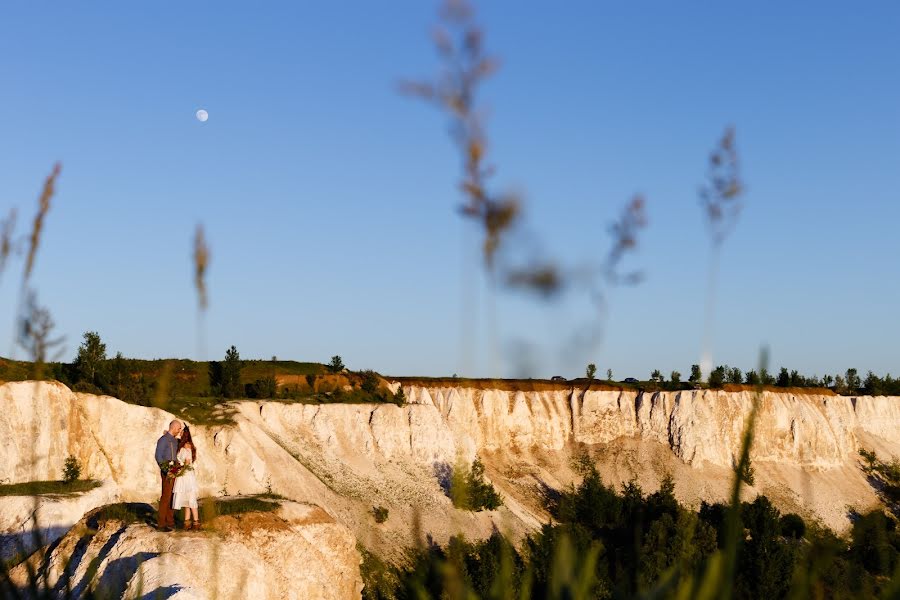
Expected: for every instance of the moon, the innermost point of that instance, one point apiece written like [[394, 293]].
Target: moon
[[202, 115]]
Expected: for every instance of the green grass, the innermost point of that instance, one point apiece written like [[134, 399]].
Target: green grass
[[48, 488], [200, 410], [236, 505], [189, 377], [127, 512]]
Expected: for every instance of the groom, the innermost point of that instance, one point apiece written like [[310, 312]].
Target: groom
[[166, 450]]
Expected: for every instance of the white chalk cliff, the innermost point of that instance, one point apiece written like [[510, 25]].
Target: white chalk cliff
[[346, 458], [298, 552]]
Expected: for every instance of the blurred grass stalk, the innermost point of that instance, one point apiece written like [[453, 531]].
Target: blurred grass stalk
[[720, 199]]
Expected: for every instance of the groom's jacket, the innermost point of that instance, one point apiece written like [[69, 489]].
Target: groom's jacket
[[166, 448]]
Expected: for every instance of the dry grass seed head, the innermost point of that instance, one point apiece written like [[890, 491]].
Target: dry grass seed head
[[719, 196], [7, 228], [43, 209], [201, 263], [35, 326]]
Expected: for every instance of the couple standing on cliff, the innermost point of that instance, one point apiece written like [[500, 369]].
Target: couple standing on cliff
[[176, 455]]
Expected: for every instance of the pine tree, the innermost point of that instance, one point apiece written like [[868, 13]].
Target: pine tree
[[231, 374]]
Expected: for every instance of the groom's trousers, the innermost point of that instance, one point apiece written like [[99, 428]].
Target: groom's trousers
[[166, 514]]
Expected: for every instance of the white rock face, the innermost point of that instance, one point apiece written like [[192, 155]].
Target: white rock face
[[298, 553], [347, 458], [50, 517]]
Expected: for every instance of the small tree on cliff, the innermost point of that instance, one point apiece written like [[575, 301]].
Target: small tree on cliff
[[696, 374], [336, 365], [853, 382], [230, 384], [784, 378], [717, 377], [91, 357], [675, 377], [591, 371]]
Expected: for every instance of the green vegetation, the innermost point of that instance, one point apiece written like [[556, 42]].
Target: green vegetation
[[48, 488], [71, 470], [380, 580], [723, 376], [369, 381], [717, 377], [264, 387], [400, 397], [127, 512], [91, 358], [470, 491], [236, 505], [225, 376], [696, 375], [336, 365], [745, 473], [885, 477], [609, 543], [591, 371]]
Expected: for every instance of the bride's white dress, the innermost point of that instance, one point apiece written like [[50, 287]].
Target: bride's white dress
[[184, 493]]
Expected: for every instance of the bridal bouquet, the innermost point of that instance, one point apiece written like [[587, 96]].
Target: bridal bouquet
[[168, 468], [182, 469], [173, 469]]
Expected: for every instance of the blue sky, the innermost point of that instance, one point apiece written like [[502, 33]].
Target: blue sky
[[328, 199]]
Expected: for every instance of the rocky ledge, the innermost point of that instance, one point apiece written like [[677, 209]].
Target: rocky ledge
[[293, 551]]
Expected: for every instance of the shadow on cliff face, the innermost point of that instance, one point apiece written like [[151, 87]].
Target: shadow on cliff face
[[443, 473], [884, 477], [119, 572], [14, 546], [126, 513], [161, 593]]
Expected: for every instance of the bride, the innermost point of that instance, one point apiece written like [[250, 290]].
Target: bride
[[184, 493]]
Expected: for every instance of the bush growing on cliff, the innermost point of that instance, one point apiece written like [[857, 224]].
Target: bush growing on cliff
[[886, 478], [336, 365], [380, 513], [369, 381], [746, 473], [265, 387], [470, 491], [591, 371], [400, 397], [71, 469]]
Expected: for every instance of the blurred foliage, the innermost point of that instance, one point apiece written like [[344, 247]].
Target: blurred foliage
[[623, 543], [885, 478], [469, 490]]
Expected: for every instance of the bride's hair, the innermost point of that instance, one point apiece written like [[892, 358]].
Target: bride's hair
[[186, 439]]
